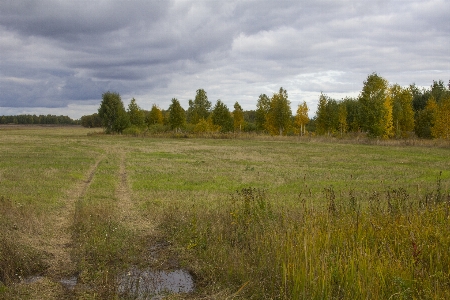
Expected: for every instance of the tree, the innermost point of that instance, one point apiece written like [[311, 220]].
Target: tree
[[199, 108], [425, 119], [238, 117], [301, 119], [376, 107], [402, 110], [154, 116], [279, 116], [112, 112], [204, 126], [441, 127], [342, 117], [221, 116], [327, 120], [91, 121], [321, 115], [177, 116], [262, 109], [352, 108], [136, 114]]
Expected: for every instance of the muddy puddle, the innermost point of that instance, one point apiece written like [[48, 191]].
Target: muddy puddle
[[154, 284], [69, 282]]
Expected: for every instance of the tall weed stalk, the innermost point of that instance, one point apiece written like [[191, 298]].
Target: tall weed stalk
[[387, 246]]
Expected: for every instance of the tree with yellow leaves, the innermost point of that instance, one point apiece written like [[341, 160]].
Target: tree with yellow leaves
[[301, 119], [238, 117], [154, 116], [441, 127], [279, 115], [402, 110]]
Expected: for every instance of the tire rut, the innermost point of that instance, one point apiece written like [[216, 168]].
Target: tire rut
[[128, 211], [59, 245]]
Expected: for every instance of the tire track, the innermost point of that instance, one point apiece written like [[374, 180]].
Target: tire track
[[128, 211], [60, 244]]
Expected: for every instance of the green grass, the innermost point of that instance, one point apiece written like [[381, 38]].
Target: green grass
[[254, 218]]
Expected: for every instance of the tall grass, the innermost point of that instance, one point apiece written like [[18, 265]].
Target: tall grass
[[391, 246], [322, 219]]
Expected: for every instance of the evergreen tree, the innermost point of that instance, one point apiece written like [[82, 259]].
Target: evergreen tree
[[199, 108], [136, 114], [342, 118], [221, 117], [177, 116]]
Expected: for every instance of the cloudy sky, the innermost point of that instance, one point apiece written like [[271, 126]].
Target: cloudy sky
[[59, 56]]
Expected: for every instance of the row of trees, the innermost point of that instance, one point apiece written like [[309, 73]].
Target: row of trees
[[273, 115], [41, 119], [381, 110], [387, 111]]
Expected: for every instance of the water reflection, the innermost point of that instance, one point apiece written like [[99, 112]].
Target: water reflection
[[141, 284]]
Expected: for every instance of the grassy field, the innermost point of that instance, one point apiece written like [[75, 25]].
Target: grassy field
[[249, 218]]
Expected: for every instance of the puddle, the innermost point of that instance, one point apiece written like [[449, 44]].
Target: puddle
[[69, 283], [142, 284], [32, 279]]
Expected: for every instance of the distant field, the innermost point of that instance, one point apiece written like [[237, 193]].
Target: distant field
[[76, 204]]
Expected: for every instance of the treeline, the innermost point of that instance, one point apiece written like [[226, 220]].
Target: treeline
[[273, 115], [381, 110], [41, 119], [387, 111]]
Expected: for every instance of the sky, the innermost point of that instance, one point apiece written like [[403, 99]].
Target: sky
[[59, 57]]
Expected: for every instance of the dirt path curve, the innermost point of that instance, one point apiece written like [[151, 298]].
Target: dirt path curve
[[59, 244]]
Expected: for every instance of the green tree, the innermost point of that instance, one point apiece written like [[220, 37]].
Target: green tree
[[425, 119], [91, 121], [154, 116], [262, 110], [136, 114], [238, 117], [301, 118], [376, 107], [327, 115], [402, 110], [342, 117], [112, 112], [221, 116], [279, 116], [439, 91], [177, 116], [199, 108], [353, 114], [321, 115]]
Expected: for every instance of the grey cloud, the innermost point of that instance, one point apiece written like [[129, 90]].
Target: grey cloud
[[56, 53]]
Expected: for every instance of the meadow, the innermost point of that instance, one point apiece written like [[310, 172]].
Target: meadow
[[250, 217]]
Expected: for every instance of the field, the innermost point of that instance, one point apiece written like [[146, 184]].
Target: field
[[248, 217]]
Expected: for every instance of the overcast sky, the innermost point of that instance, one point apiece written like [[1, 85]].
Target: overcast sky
[[58, 57]]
